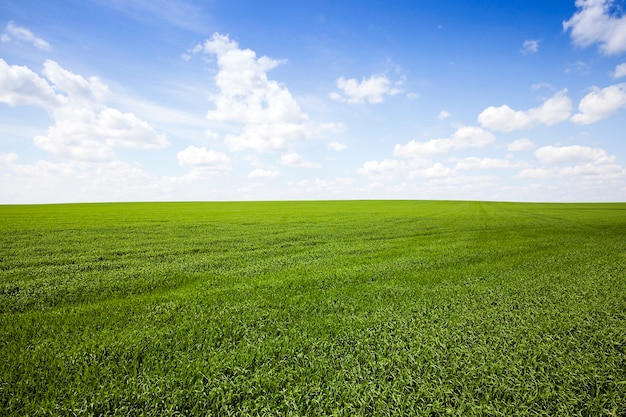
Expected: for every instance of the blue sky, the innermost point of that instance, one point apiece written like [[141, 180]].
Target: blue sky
[[156, 100]]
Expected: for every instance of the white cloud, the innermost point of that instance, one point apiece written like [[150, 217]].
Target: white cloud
[[321, 187], [417, 149], [520, 145], [530, 47], [210, 134], [263, 173], [603, 171], [436, 170], [554, 110], [8, 159], [444, 114], [268, 116], [74, 85], [333, 127], [533, 173], [90, 135], [488, 163], [590, 168], [193, 156], [19, 86], [44, 181], [383, 170], [572, 154], [336, 146], [372, 90], [471, 137], [595, 22], [620, 71], [600, 104], [464, 137], [19, 33], [84, 127], [294, 159], [504, 118]]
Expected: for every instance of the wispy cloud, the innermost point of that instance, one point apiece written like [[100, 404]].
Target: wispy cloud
[[293, 159], [530, 47], [180, 13], [372, 90], [14, 33], [336, 146], [263, 173], [620, 71]]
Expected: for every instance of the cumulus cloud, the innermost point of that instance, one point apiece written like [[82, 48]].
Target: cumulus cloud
[[520, 145], [193, 156], [80, 89], [530, 47], [19, 86], [436, 170], [293, 159], [620, 71], [372, 90], [268, 116], [84, 127], [464, 137], [444, 114], [14, 33], [572, 154], [589, 165], [600, 104], [554, 110], [595, 21]]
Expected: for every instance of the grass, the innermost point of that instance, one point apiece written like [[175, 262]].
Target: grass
[[313, 308]]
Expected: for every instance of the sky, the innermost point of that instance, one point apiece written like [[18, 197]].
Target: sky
[[228, 100]]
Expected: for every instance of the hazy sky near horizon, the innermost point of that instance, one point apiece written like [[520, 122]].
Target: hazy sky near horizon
[[156, 100]]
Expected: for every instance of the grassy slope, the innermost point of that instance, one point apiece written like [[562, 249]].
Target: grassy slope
[[313, 308]]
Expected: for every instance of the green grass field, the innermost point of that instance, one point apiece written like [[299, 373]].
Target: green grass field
[[313, 308]]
